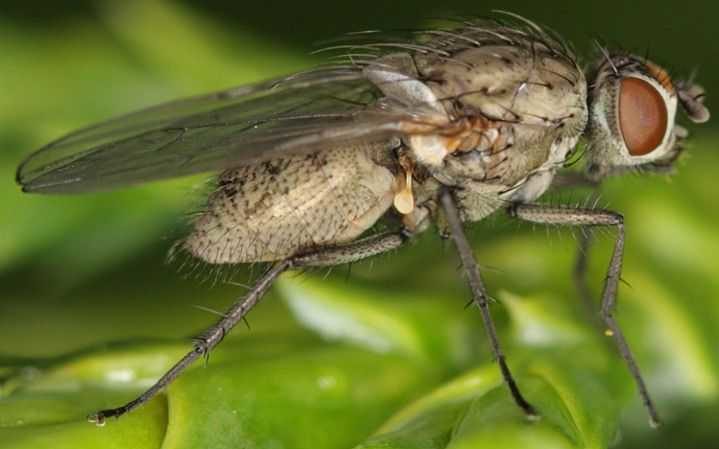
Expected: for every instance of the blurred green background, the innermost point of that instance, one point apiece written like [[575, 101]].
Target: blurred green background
[[385, 356]]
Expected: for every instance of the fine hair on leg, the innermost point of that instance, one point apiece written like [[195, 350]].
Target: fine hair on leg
[[569, 216], [480, 298]]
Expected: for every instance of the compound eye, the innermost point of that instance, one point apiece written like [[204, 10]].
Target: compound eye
[[642, 116]]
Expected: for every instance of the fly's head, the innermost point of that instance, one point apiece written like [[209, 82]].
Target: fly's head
[[633, 106]]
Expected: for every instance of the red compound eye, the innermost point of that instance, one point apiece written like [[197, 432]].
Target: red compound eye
[[642, 116]]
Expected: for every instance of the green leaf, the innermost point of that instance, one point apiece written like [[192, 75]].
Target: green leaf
[[284, 388]]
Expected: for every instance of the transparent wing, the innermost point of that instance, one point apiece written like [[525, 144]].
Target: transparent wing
[[302, 113]]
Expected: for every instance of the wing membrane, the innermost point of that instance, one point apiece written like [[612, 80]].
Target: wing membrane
[[238, 126]]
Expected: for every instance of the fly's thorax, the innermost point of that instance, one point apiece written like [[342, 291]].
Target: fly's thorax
[[518, 113], [520, 99], [512, 84]]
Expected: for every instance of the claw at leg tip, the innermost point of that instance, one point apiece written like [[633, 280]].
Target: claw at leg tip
[[533, 416], [655, 422], [97, 419]]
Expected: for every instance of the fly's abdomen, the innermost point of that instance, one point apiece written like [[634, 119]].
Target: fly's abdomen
[[279, 208]]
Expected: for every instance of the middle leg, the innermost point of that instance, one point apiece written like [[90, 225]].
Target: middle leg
[[480, 298]]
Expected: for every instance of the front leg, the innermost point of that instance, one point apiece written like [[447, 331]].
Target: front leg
[[568, 216]]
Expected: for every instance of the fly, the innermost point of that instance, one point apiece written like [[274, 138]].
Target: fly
[[445, 126]]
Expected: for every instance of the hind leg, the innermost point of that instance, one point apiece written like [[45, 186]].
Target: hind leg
[[329, 256]]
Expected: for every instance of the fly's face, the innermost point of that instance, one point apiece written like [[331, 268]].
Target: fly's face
[[633, 107]]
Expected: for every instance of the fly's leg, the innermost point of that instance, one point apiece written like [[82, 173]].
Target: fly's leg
[[479, 297], [352, 252], [203, 344], [565, 216]]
